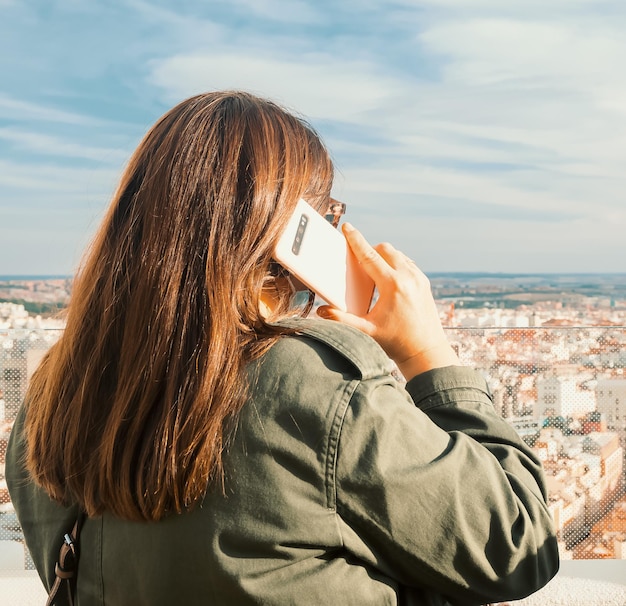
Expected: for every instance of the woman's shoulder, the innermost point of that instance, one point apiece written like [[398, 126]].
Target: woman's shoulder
[[332, 340]]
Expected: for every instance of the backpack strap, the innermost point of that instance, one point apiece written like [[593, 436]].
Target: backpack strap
[[66, 567]]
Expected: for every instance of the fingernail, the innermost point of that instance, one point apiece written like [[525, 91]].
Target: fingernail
[[348, 227], [322, 312]]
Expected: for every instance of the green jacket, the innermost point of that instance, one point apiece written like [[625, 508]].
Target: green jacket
[[342, 487]]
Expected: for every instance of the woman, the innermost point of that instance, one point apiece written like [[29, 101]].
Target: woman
[[226, 451]]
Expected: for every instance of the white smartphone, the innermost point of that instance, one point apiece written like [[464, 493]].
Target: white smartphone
[[319, 256]]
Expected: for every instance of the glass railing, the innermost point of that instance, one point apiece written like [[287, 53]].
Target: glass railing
[[563, 388]]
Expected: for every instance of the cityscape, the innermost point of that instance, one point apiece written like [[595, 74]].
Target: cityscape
[[552, 348]]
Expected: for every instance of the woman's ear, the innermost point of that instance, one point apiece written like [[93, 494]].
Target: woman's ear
[[267, 304]]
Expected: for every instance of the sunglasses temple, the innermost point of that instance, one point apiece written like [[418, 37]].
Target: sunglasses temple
[[334, 212]]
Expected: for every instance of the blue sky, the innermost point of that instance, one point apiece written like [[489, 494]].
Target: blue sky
[[475, 135]]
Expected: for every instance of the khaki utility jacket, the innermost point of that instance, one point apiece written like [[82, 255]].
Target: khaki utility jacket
[[343, 486]]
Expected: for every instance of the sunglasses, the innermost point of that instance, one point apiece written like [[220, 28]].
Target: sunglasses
[[302, 297]]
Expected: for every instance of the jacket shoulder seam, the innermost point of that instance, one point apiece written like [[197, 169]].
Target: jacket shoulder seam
[[333, 442], [355, 346]]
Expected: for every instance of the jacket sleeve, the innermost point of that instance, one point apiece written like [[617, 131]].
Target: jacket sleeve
[[439, 492]]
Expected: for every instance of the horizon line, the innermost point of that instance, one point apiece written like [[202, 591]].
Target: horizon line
[[7, 277]]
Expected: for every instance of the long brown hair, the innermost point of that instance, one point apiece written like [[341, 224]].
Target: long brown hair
[[129, 410]]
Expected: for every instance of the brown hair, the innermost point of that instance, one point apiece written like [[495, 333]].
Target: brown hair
[[129, 410]]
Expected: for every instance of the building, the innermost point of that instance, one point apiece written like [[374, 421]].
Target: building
[[611, 402], [606, 445], [561, 396]]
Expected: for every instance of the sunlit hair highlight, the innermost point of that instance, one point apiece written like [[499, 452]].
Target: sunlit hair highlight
[[130, 410]]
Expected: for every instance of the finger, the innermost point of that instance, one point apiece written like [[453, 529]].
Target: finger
[[332, 313], [393, 257], [399, 261], [372, 262]]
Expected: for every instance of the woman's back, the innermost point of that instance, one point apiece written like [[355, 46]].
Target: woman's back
[[327, 496]]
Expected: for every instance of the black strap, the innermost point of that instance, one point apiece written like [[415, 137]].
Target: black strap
[[67, 564]]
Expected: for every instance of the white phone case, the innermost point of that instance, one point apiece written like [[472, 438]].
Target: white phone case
[[318, 255]]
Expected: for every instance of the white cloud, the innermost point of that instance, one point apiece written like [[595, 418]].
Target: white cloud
[[511, 93], [55, 146], [524, 114], [518, 107], [49, 214], [318, 86], [75, 185], [528, 53], [288, 11], [174, 22], [497, 6], [458, 185], [547, 93], [452, 244], [16, 109]]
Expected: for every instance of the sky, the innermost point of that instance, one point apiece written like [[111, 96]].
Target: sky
[[474, 135]]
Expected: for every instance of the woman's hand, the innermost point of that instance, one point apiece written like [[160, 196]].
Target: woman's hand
[[404, 320]]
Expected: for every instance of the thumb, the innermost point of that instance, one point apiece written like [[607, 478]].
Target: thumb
[[332, 313]]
